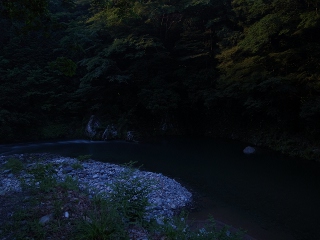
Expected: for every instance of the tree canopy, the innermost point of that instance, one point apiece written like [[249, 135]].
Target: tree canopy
[[197, 65]]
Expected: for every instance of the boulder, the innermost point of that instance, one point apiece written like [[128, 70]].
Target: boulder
[[110, 133], [249, 150]]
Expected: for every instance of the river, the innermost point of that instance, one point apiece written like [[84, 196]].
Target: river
[[268, 194]]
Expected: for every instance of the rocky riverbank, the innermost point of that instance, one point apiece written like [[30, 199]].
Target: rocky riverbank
[[44, 196], [165, 195]]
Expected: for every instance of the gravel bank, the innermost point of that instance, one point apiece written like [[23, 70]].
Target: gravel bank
[[165, 197]]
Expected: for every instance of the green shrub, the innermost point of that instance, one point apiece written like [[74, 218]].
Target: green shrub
[[210, 231], [69, 183], [83, 158], [175, 228], [101, 222], [44, 178], [76, 166], [24, 225], [178, 229], [129, 195], [14, 164], [51, 131]]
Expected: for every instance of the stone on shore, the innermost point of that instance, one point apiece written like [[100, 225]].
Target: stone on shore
[[45, 219]]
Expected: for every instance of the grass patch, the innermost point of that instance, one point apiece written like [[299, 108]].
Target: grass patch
[[76, 166], [101, 221], [15, 165], [129, 195], [43, 178]]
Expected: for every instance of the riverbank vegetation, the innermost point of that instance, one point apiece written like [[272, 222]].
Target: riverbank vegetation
[[46, 208], [241, 69]]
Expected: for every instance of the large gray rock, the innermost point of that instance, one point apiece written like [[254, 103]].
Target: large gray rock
[[249, 150], [110, 133]]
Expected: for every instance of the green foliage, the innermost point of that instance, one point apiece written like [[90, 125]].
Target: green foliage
[[43, 177], [27, 11], [64, 66], [69, 183], [159, 97], [30, 228], [129, 195], [177, 228], [62, 61], [24, 223], [264, 70], [15, 165], [102, 222], [260, 33], [76, 166], [308, 20], [52, 130], [83, 158]]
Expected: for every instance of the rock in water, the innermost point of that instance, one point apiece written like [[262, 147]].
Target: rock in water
[[249, 150]]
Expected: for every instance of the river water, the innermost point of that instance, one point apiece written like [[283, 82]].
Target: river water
[[270, 195]]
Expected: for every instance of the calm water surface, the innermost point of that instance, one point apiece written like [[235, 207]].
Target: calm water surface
[[272, 196]]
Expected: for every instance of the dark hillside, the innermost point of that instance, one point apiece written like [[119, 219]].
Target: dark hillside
[[241, 69]]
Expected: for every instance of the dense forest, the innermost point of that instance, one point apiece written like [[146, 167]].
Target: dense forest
[[240, 69]]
